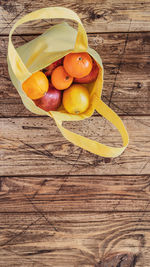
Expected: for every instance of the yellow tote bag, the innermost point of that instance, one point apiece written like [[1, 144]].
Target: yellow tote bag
[[52, 45]]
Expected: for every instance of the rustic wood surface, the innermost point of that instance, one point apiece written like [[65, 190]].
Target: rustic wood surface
[[60, 205], [32, 145], [97, 16]]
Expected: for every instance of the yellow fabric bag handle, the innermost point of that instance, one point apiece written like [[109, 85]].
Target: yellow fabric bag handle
[[94, 146], [81, 43]]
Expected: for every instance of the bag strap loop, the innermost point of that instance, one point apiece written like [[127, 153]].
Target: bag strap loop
[[94, 146], [81, 44]]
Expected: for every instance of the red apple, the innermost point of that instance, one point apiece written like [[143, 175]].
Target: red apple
[[51, 100], [51, 67], [91, 77]]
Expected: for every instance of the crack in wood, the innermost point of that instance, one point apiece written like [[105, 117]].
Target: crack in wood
[[41, 213], [126, 113], [38, 190], [20, 233], [66, 178], [41, 251], [46, 153], [144, 165], [96, 162], [24, 127], [8, 23], [144, 211], [120, 63], [0, 184]]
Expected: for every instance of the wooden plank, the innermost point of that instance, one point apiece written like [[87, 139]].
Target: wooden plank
[[75, 193], [69, 259], [38, 233], [32, 146], [97, 16], [80, 239], [127, 74], [40, 244]]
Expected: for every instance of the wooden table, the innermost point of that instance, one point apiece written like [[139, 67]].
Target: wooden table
[[61, 206]]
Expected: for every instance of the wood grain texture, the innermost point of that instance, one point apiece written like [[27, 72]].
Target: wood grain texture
[[126, 79], [35, 145], [80, 239], [57, 259], [75, 193], [61, 206], [59, 234], [97, 16]]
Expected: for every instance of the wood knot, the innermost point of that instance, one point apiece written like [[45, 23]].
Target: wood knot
[[118, 260], [139, 85], [107, 160], [98, 40], [94, 16]]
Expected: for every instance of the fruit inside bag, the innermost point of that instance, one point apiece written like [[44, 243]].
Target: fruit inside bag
[[62, 83], [48, 48], [59, 75]]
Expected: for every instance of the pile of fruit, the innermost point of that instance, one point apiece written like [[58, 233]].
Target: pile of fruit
[[62, 83]]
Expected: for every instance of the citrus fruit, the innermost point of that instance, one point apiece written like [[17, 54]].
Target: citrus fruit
[[91, 77], [36, 85], [60, 78], [78, 65], [76, 99]]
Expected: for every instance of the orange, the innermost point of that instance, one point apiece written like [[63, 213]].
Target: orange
[[76, 99], [36, 85], [60, 78], [78, 65]]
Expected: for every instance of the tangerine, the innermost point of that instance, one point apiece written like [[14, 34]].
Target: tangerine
[[78, 65], [76, 99], [36, 85], [60, 78], [91, 77]]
